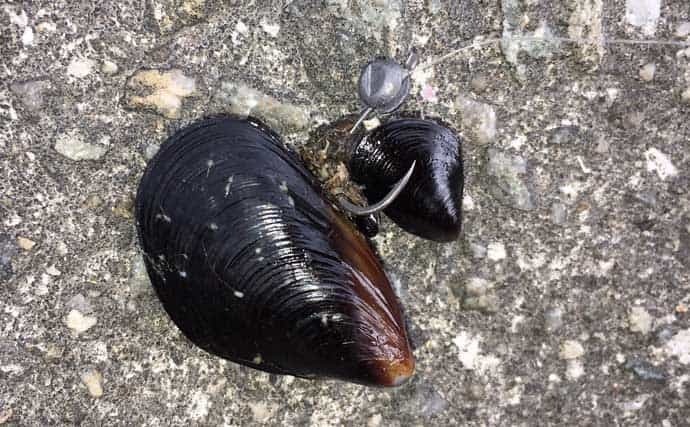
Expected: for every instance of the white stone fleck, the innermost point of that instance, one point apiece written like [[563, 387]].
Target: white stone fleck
[[574, 370], [478, 117], [78, 322], [109, 67], [28, 36], [467, 203], [643, 14], [71, 145], [685, 96], [375, 420], [683, 29], [240, 31], [183, 274], [640, 320], [679, 346], [647, 72], [19, 19], [166, 90], [239, 294], [213, 226], [80, 67], [660, 163], [53, 271], [257, 359], [199, 406], [571, 349], [243, 100], [271, 29], [262, 411], [93, 380], [496, 251]]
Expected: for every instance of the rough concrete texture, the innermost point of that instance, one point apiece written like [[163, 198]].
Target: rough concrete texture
[[564, 302]]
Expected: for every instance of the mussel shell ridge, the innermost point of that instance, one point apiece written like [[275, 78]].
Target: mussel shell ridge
[[430, 206], [255, 266]]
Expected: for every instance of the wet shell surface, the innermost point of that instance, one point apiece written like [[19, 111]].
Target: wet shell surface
[[254, 265], [430, 205]]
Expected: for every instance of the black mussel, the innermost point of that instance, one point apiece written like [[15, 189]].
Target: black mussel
[[254, 265], [430, 205]]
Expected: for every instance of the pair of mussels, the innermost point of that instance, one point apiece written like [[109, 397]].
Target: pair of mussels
[[254, 264]]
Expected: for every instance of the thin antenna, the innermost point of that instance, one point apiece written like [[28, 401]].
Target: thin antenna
[[477, 44]]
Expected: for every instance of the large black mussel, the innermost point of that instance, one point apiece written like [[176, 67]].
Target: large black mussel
[[253, 264], [430, 205]]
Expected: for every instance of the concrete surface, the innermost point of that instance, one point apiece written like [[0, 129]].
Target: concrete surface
[[564, 302]]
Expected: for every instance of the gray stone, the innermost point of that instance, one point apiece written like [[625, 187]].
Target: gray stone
[[553, 319], [72, 145], [31, 93], [478, 118], [242, 100], [559, 213], [645, 370], [510, 183], [8, 250]]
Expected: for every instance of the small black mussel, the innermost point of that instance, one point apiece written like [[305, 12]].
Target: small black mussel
[[254, 265], [430, 205]]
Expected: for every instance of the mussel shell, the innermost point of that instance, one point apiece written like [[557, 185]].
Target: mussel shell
[[430, 206], [253, 264]]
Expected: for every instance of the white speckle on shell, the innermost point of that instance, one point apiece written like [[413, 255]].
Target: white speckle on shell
[[213, 226], [257, 359], [239, 294], [183, 274]]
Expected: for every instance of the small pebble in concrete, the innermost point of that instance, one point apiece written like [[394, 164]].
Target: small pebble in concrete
[[559, 213], [553, 319], [243, 100], [53, 271], [478, 118], [31, 93], [262, 411], [479, 83], [683, 29], [496, 251], [571, 349], [478, 295], [80, 303], [643, 14], [640, 320], [93, 380], [660, 163], [645, 370], [509, 184], [72, 145], [159, 91], [78, 322], [647, 72], [679, 346], [685, 96], [7, 251], [80, 67], [25, 243], [109, 67], [575, 369]]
